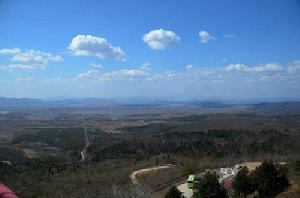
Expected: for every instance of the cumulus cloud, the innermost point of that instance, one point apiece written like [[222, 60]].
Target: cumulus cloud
[[30, 56], [192, 78], [190, 73], [123, 74], [88, 45], [161, 39], [268, 68], [205, 37], [13, 51], [120, 74], [271, 67], [91, 74], [188, 79], [23, 67], [237, 67], [29, 60]]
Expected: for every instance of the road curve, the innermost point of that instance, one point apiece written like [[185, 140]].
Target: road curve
[[146, 170]]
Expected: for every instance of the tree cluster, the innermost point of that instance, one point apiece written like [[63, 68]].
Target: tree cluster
[[266, 180]]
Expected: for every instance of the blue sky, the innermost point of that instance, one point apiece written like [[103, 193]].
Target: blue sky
[[185, 49]]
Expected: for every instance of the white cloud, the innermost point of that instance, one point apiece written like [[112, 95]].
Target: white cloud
[[24, 67], [57, 80], [189, 66], [132, 72], [190, 73], [29, 60], [268, 68], [161, 39], [205, 37], [24, 79], [91, 74], [229, 36], [294, 67], [192, 78], [88, 45], [185, 80], [271, 67], [96, 66], [120, 74], [123, 74], [11, 52], [30, 56], [237, 67], [145, 66]]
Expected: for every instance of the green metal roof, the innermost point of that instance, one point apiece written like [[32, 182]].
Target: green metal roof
[[191, 178]]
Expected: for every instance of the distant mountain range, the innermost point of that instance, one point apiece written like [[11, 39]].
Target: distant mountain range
[[4, 102], [29, 102], [90, 102]]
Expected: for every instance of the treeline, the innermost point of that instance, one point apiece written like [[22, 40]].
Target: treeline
[[138, 143], [267, 180], [12, 155], [70, 139], [32, 177], [217, 143]]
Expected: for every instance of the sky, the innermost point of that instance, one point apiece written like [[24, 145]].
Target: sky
[[186, 49]]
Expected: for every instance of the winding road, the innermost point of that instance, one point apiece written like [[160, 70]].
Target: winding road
[[145, 170], [87, 144], [180, 182]]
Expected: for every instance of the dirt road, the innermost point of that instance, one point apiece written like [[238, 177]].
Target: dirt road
[[87, 144], [146, 170]]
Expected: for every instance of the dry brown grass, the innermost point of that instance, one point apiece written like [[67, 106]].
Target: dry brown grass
[[30, 153], [155, 178]]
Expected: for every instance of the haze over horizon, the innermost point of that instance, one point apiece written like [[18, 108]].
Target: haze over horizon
[[162, 49]]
